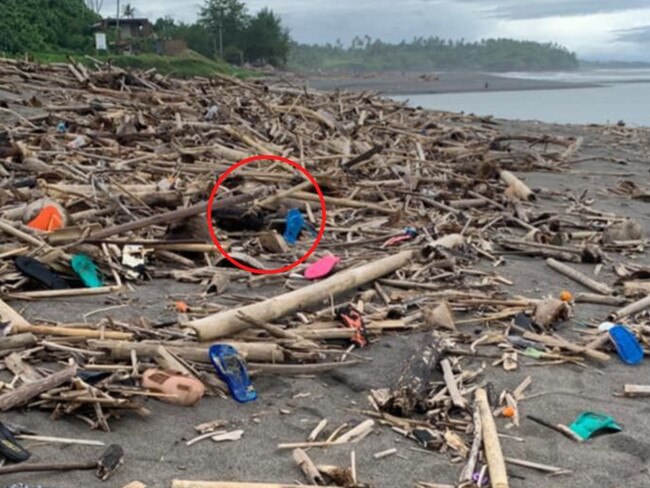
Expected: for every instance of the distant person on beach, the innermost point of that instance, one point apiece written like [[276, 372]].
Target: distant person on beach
[[487, 85]]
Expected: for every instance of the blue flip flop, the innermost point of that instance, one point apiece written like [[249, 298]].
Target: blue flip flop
[[627, 345], [231, 368]]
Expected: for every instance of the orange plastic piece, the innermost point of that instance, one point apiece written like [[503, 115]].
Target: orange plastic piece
[[182, 307], [566, 296], [48, 219], [508, 412]]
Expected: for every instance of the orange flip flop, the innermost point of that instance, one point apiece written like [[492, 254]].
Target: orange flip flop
[[181, 390], [48, 219]]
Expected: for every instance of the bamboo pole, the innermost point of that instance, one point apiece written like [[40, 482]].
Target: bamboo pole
[[226, 323], [579, 277], [165, 218], [630, 309], [263, 352], [495, 461], [344, 202], [64, 292], [74, 332], [554, 341]]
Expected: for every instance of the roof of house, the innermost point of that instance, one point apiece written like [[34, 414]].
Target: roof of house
[[127, 21]]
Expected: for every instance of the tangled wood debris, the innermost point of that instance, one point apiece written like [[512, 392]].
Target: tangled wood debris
[[422, 209]]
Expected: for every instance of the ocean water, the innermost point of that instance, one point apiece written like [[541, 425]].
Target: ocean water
[[624, 95]]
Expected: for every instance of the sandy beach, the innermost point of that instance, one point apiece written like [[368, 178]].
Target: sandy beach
[[290, 407], [412, 83]]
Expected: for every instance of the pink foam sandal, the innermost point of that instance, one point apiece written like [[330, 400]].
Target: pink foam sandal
[[322, 267]]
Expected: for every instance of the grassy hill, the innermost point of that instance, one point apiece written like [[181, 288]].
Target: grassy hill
[[184, 66]]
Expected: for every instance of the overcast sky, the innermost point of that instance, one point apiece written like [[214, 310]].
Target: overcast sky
[[595, 29]]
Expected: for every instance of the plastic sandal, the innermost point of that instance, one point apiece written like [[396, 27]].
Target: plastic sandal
[[10, 448], [232, 370], [627, 345], [86, 270], [589, 423], [181, 390], [36, 270], [322, 267]]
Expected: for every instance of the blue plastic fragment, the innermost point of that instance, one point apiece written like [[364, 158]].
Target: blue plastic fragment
[[627, 346], [61, 128], [295, 223], [232, 370], [411, 231]]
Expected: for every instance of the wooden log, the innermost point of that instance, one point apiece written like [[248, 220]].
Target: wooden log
[[226, 323], [554, 341], [631, 309], [165, 218], [307, 467], [493, 454], [26, 392], [468, 470], [18, 341], [295, 369], [236, 484], [345, 202], [636, 390], [579, 277], [8, 314], [516, 187], [262, 352], [448, 375], [65, 292], [538, 466], [560, 428], [74, 332], [599, 299]]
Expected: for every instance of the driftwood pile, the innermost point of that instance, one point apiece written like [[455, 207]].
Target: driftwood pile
[[130, 158]]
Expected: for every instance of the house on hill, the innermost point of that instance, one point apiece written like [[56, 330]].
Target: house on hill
[[129, 28]]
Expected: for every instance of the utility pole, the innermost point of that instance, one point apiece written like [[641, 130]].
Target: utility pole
[[221, 16], [221, 39], [117, 20]]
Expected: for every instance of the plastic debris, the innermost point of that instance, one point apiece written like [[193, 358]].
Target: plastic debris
[[589, 423], [86, 270], [231, 368], [322, 268]]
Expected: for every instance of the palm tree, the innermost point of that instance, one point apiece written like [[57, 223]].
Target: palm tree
[[128, 11]]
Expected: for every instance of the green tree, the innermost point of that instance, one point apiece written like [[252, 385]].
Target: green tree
[[196, 36], [266, 40], [38, 25], [225, 20]]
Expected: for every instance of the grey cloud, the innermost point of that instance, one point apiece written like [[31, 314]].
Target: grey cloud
[[637, 35], [535, 9], [321, 21]]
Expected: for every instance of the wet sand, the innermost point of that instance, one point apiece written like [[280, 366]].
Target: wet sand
[[412, 83]]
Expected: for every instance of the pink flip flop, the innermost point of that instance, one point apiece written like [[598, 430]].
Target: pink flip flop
[[322, 267]]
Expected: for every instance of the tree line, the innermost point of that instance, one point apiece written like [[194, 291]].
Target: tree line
[[433, 53], [46, 25], [226, 29]]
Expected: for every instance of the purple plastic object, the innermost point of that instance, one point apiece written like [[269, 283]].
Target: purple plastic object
[[322, 267]]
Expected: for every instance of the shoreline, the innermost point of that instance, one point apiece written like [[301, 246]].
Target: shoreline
[[415, 83]]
